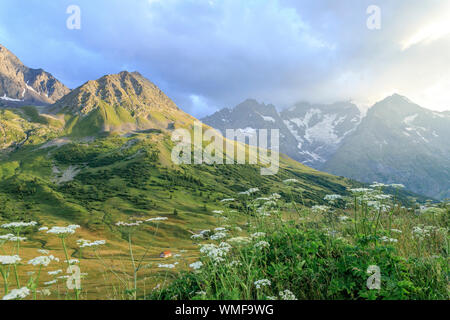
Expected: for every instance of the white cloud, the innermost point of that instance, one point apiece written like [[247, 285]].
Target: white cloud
[[431, 31]]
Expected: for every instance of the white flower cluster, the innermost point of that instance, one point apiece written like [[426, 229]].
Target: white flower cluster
[[128, 224], [262, 283], [64, 230], [332, 197], [19, 224], [82, 243], [43, 260], [290, 181], [157, 219], [196, 265], [11, 237], [227, 200], [386, 239], [10, 259], [287, 295], [249, 191], [377, 185], [235, 264], [17, 294], [258, 235], [54, 273], [217, 211], [423, 231], [72, 261], [168, 266], [218, 236], [216, 252], [262, 245]]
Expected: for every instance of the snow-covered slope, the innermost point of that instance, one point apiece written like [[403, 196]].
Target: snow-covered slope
[[308, 133], [320, 129]]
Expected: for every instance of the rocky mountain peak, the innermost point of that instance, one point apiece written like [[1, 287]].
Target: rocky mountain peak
[[20, 85], [129, 90]]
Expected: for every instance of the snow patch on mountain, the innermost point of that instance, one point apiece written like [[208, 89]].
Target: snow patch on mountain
[[10, 99], [268, 119]]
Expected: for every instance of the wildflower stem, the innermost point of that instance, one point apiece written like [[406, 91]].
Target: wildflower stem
[[5, 279], [134, 265]]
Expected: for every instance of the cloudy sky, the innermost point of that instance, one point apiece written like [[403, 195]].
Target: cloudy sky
[[210, 54]]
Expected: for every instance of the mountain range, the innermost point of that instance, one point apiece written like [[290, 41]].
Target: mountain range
[[397, 141], [129, 107]]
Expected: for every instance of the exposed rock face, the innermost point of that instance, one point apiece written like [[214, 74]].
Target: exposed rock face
[[20, 85], [129, 90]]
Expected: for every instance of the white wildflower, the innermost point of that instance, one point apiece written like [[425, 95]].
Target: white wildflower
[[61, 230], [19, 224], [86, 243], [377, 185], [10, 259], [332, 197], [386, 239], [215, 252], [54, 273], [17, 294], [262, 245], [157, 219], [218, 236], [196, 265], [262, 283], [258, 235], [72, 261], [6, 237], [128, 224], [197, 236], [43, 260], [168, 266], [287, 295]]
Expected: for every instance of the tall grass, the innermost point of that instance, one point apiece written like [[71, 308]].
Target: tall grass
[[272, 248]]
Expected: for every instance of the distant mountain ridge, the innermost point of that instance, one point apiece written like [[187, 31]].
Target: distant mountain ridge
[[397, 141], [309, 133], [20, 85]]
